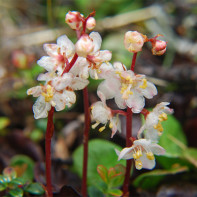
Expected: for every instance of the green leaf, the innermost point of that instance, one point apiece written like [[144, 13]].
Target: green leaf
[[17, 181], [103, 172], [17, 192], [190, 154], [143, 180], [94, 192], [101, 152], [4, 122], [115, 192], [3, 184], [34, 188], [27, 165], [173, 139]]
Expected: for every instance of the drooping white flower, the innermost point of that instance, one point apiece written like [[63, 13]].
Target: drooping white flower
[[152, 127], [142, 151], [58, 92], [74, 20], [64, 49], [102, 114], [91, 58], [127, 89]]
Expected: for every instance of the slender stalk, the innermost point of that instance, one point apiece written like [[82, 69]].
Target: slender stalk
[[49, 13], [85, 141], [128, 144], [128, 141], [48, 136]]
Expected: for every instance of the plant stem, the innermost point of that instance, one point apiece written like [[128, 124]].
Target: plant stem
[[128, 139], [85, 141], [128, 144], [48, 136]]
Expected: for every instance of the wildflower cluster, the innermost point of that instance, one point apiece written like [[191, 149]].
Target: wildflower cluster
[[68, 67]]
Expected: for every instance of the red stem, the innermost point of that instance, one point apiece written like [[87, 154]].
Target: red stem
[[128, 144], [85, 141], [119, 112], [133, 61], [70, 65], [128, 139], [48, 136]]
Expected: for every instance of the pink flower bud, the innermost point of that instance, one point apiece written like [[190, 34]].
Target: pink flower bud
[[84, 46], [90, 23], [134, 41], [159, 47], [74, 20]]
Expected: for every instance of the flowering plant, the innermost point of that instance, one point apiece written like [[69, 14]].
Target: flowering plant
[[68, 68]]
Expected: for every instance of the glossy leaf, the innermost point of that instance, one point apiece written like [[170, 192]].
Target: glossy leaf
[[17, 192], [143, 180], [101, 152], [34, 188], [24, 165], [103, 172], [115, 192], [190, 154]]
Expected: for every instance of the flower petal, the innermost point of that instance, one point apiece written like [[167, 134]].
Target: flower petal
[[97, 40], [125, 153], [146, 163], [47, 63], [51, 49], [149, 91], [79, 83], [41, 108], [157, 150], [119, 101]]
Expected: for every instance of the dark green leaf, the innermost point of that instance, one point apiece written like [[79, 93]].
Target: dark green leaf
[[190, 154], [173, 139], [17, 192], [94, 192], [26, 163], [101, 152], [34, 188], [143, 180]]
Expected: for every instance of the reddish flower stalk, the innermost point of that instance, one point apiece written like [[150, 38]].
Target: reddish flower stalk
[[85, 141], [119, 112], [48, 136], [70, 65], [128, 141]]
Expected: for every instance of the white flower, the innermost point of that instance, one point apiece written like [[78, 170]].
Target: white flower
[[47, 97], [142, 151], [127, 89], [152, 127], [64, 49], [102, 114], [57, 92], [74, 20], [92, 60]]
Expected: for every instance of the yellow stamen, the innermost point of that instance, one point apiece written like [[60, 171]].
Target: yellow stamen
[[139, 154], [150, 156], [138, 164], [110, 125], [144, 85], [163, 117], [49, 93], [158, 127], [95, 125], [101, 129]]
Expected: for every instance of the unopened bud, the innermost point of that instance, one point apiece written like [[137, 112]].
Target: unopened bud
[[134, 41], [90, 23], [159, 47], [84, 46], [74, 20]]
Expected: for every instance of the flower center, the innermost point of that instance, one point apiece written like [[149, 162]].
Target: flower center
[[48, 93]]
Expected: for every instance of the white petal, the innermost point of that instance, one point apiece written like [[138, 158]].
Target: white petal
[[146, 163], [119, 66], [116, 125], [157, 150], [41, 108], [51, 49], [136, 102], [109, 87], [35, 91], [79, 83], [69, 97], [99, 113], [66, 45], [149, 91], [97, 40], [59, 101], [47, 63], [119, 101], [152, 134], [102, 56], [125, 153]]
